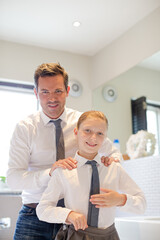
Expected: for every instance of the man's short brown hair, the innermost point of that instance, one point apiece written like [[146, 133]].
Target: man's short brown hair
[[50, 69]]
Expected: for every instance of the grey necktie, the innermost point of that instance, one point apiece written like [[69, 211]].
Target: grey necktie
[[93, 212], [60, 151]]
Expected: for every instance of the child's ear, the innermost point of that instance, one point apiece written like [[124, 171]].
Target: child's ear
[[75, 131]]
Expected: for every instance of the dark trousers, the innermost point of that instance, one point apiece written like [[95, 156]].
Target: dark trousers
[[90, 233], [29, 227]]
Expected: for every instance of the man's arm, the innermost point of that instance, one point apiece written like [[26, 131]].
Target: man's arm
[[18, 174], [68, 163]]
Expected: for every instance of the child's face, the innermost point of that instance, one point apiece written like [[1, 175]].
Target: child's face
[[90, 136]]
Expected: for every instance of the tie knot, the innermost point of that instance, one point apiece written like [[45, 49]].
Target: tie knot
[[57, 123], [92, 162]]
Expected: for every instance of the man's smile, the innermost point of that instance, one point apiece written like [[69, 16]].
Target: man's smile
[[53, 105]]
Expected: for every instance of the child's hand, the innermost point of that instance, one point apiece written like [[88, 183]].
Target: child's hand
[[77, 219], [109, 198]]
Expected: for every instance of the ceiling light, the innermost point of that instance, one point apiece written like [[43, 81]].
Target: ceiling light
[[76, 23]]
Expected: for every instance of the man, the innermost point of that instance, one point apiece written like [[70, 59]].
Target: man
[[33, 148]]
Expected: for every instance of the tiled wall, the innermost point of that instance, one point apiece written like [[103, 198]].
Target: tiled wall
[[146, 173]]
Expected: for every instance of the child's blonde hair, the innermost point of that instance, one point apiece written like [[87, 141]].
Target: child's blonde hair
[[91, 114]]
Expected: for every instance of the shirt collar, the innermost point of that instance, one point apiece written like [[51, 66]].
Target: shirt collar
[[82, 160], [46, 119]]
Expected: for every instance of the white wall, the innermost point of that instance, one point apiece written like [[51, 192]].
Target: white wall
[[18, 62], [140, 42], [134, 83]]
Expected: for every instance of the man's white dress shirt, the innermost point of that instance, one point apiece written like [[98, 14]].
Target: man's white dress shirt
[[33, 151], [74, 187]]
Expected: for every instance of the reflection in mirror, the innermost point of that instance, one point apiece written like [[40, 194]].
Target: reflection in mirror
[[146, 116], [141, 80]]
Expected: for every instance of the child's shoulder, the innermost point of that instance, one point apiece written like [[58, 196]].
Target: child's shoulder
[[115, 165], [64, 172]]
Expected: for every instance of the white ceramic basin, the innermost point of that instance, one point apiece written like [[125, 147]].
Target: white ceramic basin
[[138, 228]]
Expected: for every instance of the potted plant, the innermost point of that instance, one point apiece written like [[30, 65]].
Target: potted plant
[[3, 182]]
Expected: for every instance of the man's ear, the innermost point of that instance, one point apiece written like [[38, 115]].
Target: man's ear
[[68, 89], [35, 92], [75, 131]]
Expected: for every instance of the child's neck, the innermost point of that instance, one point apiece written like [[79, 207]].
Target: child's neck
[[89, 156]]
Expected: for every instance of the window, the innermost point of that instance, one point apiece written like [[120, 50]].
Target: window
[[139, 120], [153, 123], [17, 100]]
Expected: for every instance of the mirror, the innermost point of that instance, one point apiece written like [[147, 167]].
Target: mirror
[[141, 80]]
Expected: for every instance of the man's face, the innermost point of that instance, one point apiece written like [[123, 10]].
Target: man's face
[[52, 95], [90, 136]]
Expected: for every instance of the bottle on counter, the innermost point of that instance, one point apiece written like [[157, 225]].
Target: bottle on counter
[[116, 144]]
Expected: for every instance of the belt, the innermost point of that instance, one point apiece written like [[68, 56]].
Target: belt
[[31, 205]]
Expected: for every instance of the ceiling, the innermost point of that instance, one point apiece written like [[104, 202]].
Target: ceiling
[[152, 62], [48, 23]]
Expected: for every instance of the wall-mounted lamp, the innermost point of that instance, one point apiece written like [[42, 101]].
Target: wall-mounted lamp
[[75, 89], [109, 94]]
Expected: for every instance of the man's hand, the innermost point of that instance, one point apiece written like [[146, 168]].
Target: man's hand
[[78, 220], [109, 198], [108, 160], [68, 163]]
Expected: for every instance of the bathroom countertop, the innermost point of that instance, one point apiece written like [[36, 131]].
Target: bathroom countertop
[[7, 191]]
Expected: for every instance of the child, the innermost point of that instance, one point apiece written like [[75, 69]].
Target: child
[[74, 187]]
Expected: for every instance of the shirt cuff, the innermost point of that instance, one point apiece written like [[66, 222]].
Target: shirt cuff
[[66, 213], [128, 203]]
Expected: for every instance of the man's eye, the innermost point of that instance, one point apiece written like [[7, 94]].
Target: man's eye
[[58, 91]]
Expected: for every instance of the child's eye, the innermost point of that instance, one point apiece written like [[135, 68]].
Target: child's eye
[[87, 130]]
